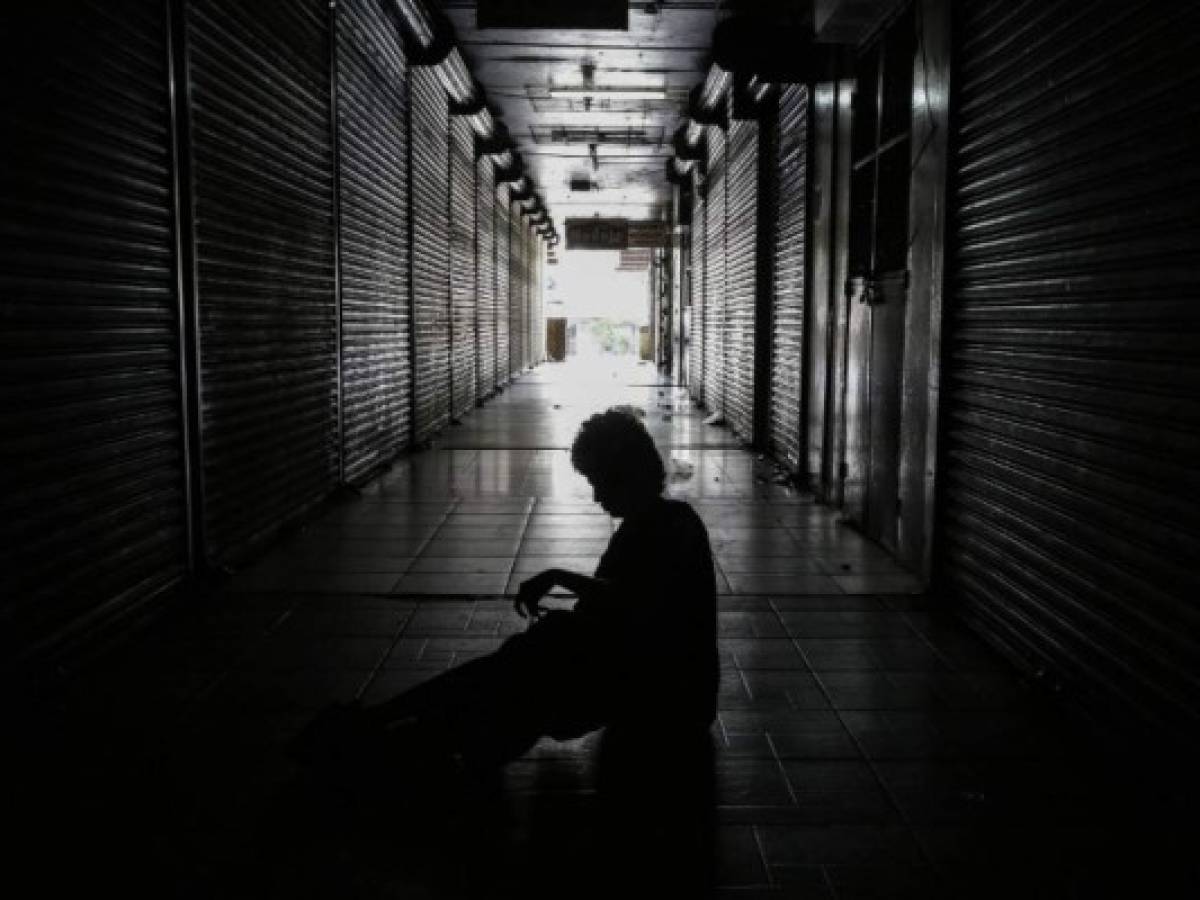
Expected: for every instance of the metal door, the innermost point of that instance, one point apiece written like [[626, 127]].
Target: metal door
[[462, 266], [503, 281], [741, 271], [516, 290], [699, 296], [485, 276], [788, 270], [92, 489], [263, 173], [1069, 527], [372, 109], [429, 145], [715, 371], [878, 283]]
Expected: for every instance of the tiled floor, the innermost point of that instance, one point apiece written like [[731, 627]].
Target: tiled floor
[[866, 746]]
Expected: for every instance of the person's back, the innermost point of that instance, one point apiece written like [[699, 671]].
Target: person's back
[[659, 565]]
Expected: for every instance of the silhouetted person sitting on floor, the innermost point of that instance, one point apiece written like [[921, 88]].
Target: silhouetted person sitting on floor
[[637, 653]]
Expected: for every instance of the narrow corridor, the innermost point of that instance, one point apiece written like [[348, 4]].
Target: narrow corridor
[[866, 747]]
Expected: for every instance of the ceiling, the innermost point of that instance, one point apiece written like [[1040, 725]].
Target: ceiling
[[615, 150]]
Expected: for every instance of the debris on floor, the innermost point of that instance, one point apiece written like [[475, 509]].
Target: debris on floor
[[715, 419], [681, 469]]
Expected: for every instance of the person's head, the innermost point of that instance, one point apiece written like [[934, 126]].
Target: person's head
[[614, 452]]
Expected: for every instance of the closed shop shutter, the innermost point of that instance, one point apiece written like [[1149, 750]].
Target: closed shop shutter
[[430, 148], [698, 282], [263, 171], [741, 244], [1069, 529], [516, 289], [539, 311], [715, 372], [485, 276], [503, 282], [92, 484], [789, 186], [372, 81], [462, 265]]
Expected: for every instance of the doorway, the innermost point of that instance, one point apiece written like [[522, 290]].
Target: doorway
[[877, 283]]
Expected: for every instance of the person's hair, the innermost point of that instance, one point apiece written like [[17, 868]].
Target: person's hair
[[613, 447]]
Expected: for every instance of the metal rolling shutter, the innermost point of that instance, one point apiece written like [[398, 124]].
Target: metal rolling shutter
[[539, 312], [429, 143], [503, 227], [462, 265], [716, 373], [516, 290], [1069, 523], [698, 282], [372, 81], [790, 186], [93, 477], [263, 173], [741, 238], [531, 246], [485, 276]]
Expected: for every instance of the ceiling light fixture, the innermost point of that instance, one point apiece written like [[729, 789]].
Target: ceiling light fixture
[[613, 93]]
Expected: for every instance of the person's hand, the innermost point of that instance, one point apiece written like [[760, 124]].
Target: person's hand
[[531, 591]]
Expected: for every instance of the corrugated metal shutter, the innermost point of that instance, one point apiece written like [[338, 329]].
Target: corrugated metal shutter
[[530, 269], [539, 312], [516, 290], [503, 214], [1069, 525], [429, 142], [263, 171], [715, 371], [372, 81], [698, 282], [485, 275], [790, 186], [92, 477], [462, 265], [741, 244]]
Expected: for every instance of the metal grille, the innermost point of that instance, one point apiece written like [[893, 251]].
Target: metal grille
[[516, 290], [430, 148], [741, 240], [462, 265], [372, 79], [93, 483], [715, 370], [263, 171], [1069, 523], [485, 275], [503, 227], [790, 186]]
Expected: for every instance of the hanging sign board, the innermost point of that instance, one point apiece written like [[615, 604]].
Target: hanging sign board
[[616, 234], [597, 234]]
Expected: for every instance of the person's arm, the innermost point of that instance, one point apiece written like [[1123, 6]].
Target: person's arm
[[585, 587]]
